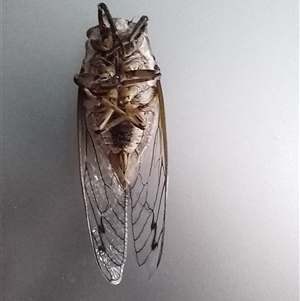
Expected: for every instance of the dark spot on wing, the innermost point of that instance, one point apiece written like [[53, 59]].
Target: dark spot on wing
[[101, 228], [153, 226], [101, 248], [154, 245]]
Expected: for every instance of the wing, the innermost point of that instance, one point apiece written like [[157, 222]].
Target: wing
[[105, 200], [148, 193]]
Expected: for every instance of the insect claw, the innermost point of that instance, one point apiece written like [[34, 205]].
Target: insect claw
[[139, 28]]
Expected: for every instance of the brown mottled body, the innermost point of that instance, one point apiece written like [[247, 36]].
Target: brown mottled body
[[120, 95]]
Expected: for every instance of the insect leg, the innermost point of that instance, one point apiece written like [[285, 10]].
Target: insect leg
[[112, 106], [102, 8], [134, 119], [105, 119], [133, 114], [144, 77], [147, 74], [139, 28]]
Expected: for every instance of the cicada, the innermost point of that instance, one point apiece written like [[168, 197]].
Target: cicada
[[122, 144]]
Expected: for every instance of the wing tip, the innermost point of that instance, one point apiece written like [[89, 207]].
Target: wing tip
[[116, 281], [112, 276]]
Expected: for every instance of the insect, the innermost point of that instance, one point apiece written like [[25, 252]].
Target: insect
[[122, 144]]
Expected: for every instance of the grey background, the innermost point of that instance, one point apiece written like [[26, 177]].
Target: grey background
[[230, 78]]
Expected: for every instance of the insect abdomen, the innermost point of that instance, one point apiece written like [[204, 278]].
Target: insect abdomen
[[121, 134], [122, 137]]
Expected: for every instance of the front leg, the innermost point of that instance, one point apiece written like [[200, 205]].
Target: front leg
[[105, 105], [133, 114]]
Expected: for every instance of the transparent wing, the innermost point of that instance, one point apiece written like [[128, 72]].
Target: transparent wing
[[148, 193], [105, 201]]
